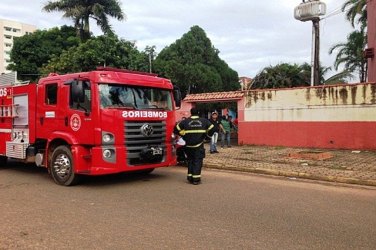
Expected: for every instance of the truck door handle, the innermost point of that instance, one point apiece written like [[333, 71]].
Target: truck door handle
[[41, 119], [66, 121]]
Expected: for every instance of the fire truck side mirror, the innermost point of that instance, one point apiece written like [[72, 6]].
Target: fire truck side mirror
[[177, 96]]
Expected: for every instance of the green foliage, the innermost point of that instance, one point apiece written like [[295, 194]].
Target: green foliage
[[193, 64], [286, 75], [80, 11], [350, 54], [357, 9], [283, 75], [99, 51], [31, 51]]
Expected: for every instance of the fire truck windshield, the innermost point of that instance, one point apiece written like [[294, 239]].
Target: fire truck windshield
[[134, 97]]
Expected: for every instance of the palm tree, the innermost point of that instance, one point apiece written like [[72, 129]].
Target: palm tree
[[80, 11], [351, 54], [283, 75], [339, 77], [357, 9]]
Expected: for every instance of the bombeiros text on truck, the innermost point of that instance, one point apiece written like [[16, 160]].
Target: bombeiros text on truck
[[90, 123]]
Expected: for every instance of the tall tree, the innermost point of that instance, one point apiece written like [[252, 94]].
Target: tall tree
[[350, 54], [194, 65], [81, 11], [30, 52], [99, 51], [356, 12]]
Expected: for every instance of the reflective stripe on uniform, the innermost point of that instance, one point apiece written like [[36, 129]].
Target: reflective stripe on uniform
[[196, 176], [189, 175], [195, 117], [195, 146], [195, 131], [182, 132], [178, 127], [210, 127]]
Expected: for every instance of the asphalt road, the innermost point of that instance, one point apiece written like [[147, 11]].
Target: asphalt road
[[161, 211]]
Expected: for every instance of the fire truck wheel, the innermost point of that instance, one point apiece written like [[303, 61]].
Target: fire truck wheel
[[61, 167], [3, 161]]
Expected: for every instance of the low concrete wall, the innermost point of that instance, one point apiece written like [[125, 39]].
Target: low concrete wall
[[341, 116]]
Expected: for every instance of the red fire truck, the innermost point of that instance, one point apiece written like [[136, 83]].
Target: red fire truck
[[90, 123]]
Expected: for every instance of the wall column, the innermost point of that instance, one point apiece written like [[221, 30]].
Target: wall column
[[371, 24]]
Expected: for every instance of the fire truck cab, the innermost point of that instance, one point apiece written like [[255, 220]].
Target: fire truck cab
[[91, 123]]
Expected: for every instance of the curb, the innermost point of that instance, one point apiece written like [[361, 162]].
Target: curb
[[302, 175]]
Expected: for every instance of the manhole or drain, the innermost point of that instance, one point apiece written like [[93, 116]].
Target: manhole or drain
[[310, 155]]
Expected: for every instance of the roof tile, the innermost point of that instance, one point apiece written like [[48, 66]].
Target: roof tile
[[233, 95]]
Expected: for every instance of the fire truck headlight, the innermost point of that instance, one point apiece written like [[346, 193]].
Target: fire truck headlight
[[107, 138], [107, 153]]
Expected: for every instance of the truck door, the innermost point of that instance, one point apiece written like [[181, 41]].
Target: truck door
[[49, 99], [79, 114]]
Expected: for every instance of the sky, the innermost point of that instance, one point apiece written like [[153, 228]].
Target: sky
[[250, 34]]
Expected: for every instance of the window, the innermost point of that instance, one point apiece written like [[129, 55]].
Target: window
[[16, 30], [134, 97], [8, 36], [85, 104], [51, 94], [7, 28], [8, 45]]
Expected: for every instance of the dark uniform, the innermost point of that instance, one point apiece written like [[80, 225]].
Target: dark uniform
[[194, 131]]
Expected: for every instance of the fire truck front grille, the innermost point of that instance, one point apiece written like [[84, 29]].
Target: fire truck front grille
[[136, 140]]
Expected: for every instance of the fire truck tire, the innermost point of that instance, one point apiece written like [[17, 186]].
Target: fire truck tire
[[62, 167], [3, 161]]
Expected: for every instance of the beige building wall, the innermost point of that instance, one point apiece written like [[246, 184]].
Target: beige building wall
[[325, 103], [8, 31]]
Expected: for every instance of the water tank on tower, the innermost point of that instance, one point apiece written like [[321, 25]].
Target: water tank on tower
[[308, 11]]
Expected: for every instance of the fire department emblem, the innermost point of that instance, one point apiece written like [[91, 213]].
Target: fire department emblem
[[75, 122], [147, 130]]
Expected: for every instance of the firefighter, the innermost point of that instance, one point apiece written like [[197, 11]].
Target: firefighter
[[194, 130]]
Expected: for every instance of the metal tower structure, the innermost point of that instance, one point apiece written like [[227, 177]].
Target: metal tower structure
[[311, 10]]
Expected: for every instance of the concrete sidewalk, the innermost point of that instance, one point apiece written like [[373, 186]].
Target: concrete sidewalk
[[343, 166]]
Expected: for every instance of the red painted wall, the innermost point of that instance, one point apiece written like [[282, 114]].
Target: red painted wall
[[345, 135], [184, 111], [371, 12], [335, 116]]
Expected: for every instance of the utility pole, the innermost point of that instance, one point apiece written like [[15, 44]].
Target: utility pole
[[311, 10], [316, 52]]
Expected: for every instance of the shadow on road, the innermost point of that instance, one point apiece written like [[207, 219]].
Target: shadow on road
[[32, 171], [114, 179]]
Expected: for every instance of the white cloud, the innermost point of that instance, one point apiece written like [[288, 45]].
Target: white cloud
[[249, 34]]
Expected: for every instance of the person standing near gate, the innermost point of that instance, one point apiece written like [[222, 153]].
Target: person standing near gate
[[216, 129], [226, 135], [194, 130]]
